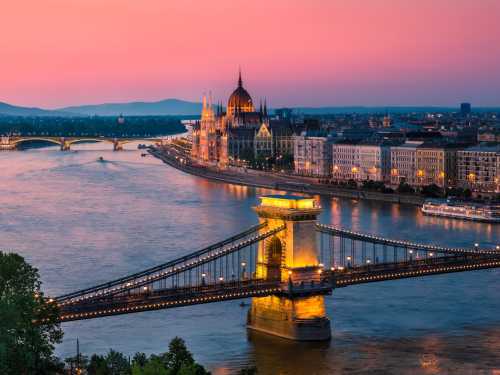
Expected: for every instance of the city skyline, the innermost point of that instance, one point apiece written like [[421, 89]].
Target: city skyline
[[386, 53]]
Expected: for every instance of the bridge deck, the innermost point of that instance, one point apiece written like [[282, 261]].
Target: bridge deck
[[169, 298], [403, 270]]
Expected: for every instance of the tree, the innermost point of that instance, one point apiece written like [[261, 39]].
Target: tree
[[117, 364], [177, 361], [405, 188], [352, 184], [432, 191], [177, 355], [153, 366], [26, 345], [192, 369], [97, 365], [140, 359]]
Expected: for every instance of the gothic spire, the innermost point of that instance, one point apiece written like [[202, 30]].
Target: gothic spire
[[265, 107], [240, 81]]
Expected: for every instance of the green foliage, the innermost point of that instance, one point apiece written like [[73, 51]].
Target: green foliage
[[459, 192], [373, 185], [177, 355], [352, 184], [153, 366], [177, 361], [97, 365], [192, 369], [139, 359], [405, 188], [26, 347], [432, 191], [117, 364]]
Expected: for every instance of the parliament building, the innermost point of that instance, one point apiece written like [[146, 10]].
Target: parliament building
[[239, 133]]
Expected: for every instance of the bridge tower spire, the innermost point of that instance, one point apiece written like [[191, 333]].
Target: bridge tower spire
[[291, 256]]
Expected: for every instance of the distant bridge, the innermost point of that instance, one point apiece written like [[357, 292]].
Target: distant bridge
[[65, 143], [287, 263]]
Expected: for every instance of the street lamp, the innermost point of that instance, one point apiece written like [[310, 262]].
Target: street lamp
[[243, 265]]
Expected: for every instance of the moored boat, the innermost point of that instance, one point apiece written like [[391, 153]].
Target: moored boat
[[486, 212]]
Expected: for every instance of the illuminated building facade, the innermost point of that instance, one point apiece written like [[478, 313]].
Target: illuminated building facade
[[360, 162], [312, 155], [435, 166], [404, 163], [238, 134], [478, 168]]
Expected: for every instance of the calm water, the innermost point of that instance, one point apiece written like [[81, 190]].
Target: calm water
[[81, 222]]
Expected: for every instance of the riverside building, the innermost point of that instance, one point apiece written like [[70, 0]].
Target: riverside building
[[435, 165], [404, 163], [478, 168], [360, 162], [313, 154]]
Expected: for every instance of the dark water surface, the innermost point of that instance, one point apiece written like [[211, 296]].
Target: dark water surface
[[83, 222]]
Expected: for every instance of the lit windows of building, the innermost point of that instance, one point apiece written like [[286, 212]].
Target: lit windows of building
[[478, 168]]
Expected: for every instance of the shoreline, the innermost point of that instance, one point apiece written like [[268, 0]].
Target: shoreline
[[265, 180]]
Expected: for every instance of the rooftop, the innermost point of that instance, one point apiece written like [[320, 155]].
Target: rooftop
[[288, 201], [485, 148]]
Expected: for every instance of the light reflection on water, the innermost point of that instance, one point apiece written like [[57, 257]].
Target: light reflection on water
[[82, 222]]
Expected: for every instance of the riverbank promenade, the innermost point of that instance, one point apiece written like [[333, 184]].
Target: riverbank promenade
[[179, 159]]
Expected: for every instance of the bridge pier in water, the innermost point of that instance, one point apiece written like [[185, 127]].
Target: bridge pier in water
[[65, 145], [291, 256]]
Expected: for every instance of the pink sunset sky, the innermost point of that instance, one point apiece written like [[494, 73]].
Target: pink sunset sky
[[55, 53]]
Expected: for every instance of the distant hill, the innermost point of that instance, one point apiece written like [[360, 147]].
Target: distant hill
[[177, 107], [13, 110], [167, 107]]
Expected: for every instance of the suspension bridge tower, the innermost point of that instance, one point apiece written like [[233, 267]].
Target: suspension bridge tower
[[291, 256]]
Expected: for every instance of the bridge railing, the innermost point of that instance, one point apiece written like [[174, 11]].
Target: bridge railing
[[169, 298], [341, 277], [342, 248], [230, 259]]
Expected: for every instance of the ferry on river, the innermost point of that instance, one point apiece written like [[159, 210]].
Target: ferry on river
[[486, 212]]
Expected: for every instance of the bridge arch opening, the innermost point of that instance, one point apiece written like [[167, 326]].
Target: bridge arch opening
[[274, 256], [36, 143]]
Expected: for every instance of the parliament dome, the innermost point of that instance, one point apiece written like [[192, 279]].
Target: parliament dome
[[240, 100]]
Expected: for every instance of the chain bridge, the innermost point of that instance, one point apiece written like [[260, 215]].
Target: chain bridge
[[65, 143], [287, 263]]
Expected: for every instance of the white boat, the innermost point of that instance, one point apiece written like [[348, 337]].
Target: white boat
[[463, 210]]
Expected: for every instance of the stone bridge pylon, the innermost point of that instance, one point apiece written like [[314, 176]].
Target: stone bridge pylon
[[297, 313]]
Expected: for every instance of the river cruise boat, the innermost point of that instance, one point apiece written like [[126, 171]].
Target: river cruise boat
[[486, 212]]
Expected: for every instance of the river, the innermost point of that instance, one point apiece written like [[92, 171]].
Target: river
[[83, 222]]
